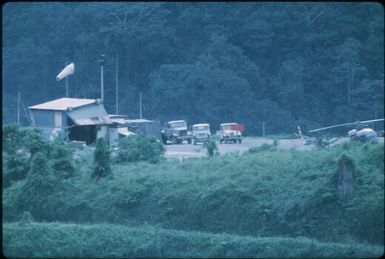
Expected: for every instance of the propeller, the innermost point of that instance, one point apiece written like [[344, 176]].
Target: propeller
[[346, 124]]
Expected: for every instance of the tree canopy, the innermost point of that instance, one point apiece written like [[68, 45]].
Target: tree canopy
[[285, 64]]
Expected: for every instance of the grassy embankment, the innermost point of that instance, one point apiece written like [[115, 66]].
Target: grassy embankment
[[260, 204], [107, 240]]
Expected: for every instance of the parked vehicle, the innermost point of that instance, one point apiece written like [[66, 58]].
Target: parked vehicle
[[201, 132], [176, 132], [230, 132], [364, 135], [360, 132]]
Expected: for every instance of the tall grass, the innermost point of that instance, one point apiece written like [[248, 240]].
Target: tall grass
[[282, 193], [110, 241]]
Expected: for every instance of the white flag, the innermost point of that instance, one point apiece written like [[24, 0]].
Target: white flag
[[68, 70]]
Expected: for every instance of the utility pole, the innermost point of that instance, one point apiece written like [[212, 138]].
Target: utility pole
[[101, 63], [349, 82], [117, 85], [263, 128], [18, 108], [140, 105]]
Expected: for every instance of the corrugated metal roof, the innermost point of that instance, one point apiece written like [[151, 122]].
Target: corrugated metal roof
[[118, 120], [63, 104], [117, 116], [137, 121], [91, 121], [90, 115]]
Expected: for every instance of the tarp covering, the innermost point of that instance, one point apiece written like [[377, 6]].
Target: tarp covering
[[125, 132]]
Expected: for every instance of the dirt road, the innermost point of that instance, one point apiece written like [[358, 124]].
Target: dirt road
[[188, 150]]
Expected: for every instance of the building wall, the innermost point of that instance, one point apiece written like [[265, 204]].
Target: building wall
[[47, 118], [150, 128], [44, 118], [153, 129], [114, 135], [47, 121]]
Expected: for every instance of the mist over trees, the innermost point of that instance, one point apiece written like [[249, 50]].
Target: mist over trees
[[286, 64]]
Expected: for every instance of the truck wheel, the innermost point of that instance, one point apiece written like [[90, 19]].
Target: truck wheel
[[164, 140]]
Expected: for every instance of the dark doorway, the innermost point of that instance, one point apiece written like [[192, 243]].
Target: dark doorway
[[85, 133]]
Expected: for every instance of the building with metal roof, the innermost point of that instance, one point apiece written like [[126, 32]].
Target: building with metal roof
[[78, 119], [138, 126], [63, 104]]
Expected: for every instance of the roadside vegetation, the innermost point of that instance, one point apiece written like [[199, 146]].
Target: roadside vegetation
[[110, 241], [264, 203]]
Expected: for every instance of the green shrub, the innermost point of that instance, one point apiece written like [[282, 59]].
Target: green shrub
[[211, 147], [16, 137], [13, 138], [61, 158], [34, 141], [102, 167], [270, 193], [264, 147], [15, 169], [139, 148], [37, 189]]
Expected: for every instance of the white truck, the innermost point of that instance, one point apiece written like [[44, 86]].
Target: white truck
[[230, 132], [201, 133]]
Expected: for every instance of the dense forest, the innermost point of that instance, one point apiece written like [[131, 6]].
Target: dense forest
[[288, 64]]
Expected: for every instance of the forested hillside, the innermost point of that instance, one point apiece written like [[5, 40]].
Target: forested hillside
[[283, 63]]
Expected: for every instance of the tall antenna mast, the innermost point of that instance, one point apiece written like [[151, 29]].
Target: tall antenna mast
[[140, 105], [66, 63], [117, 85], [101, 63]]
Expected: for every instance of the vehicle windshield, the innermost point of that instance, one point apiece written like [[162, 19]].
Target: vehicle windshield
[[226, 127], [179, 124], [201, 128]]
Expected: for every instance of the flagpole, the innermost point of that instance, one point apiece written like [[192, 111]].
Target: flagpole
[[66, 86]]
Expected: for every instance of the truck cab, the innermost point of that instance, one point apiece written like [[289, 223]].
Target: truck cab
[[201, 133], [230, 132], [176, 132]]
